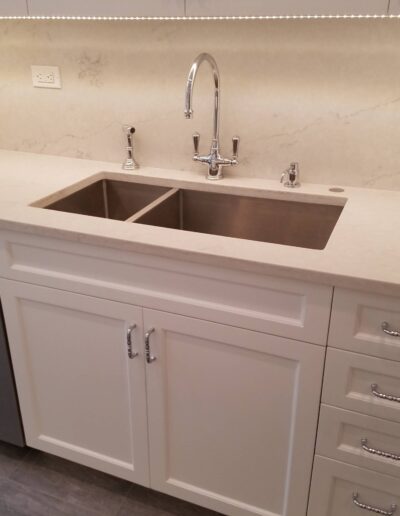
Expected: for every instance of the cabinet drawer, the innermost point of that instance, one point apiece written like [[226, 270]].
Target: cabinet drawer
[[334, 484], [284, 307], [356, 323], [342, 435], [348, 382]]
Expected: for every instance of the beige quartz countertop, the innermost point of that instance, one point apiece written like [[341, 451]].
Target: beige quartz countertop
[[362, 253]]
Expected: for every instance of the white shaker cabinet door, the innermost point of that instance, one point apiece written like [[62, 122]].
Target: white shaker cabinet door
[[284, 7], [13, 8], [81, 396], [394, 7], [106, 8], [232, 415]]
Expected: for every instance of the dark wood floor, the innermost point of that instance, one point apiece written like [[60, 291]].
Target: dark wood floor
[[33, 483]]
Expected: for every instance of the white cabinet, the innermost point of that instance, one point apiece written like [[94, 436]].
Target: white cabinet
[[394, 7], [284, 7], [229, 417], [106, 8], [81, 397], [232, 415], [358, 447], [13, 8], [180, 8]]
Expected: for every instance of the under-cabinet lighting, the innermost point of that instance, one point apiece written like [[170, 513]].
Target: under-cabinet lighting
[[204, 18]]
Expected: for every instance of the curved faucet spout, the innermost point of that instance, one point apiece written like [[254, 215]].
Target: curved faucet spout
[[213, 160], [189, 89]]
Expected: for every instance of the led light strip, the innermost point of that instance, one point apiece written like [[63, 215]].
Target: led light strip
[[204, 18]]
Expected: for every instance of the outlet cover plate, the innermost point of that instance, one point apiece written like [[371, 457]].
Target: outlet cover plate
[[46, 76]]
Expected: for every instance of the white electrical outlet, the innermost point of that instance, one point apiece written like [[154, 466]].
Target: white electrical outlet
[[46, 76]]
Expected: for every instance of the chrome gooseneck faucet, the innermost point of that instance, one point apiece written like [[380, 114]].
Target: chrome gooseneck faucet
[[214, 160]]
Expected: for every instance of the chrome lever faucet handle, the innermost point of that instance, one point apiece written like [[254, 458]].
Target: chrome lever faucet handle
[[196, 143], [235, 146], [290, 178]]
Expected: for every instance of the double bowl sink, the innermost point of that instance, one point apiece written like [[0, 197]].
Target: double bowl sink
[[293, 223]]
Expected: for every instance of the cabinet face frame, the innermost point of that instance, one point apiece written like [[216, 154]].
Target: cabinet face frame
[[218, 347], [123, 453]]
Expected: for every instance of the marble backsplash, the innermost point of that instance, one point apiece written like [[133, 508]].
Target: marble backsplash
[[325, 93]]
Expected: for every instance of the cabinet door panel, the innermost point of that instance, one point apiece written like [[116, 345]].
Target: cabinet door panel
[[13, 8], [394, 7], [284, 7], [232, 416], [106, 8], [81, 397]]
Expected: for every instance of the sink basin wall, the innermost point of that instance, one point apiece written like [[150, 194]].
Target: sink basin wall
[[109, 199], [292, 223]]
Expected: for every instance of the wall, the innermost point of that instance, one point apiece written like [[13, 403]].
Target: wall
[[325, 93]]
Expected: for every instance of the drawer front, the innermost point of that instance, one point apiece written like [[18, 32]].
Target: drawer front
[[364, 441], [356, 323], [334, 484], [279, 306], [348, 382]]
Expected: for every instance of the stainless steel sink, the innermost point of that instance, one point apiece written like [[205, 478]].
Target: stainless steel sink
[[109, 199], [293, 223]]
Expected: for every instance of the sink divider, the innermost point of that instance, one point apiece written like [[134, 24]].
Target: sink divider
[[152, 205]]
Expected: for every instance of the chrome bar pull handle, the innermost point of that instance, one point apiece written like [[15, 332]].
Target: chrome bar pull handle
[[196, 143], [235, 146], [370, 508], [386, 329], [382, 396], [131, 353], [380, 453], [149, 357]]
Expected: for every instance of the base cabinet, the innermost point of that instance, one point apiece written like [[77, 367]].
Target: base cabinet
[[81, 397], [232, 416], [216, 415]]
